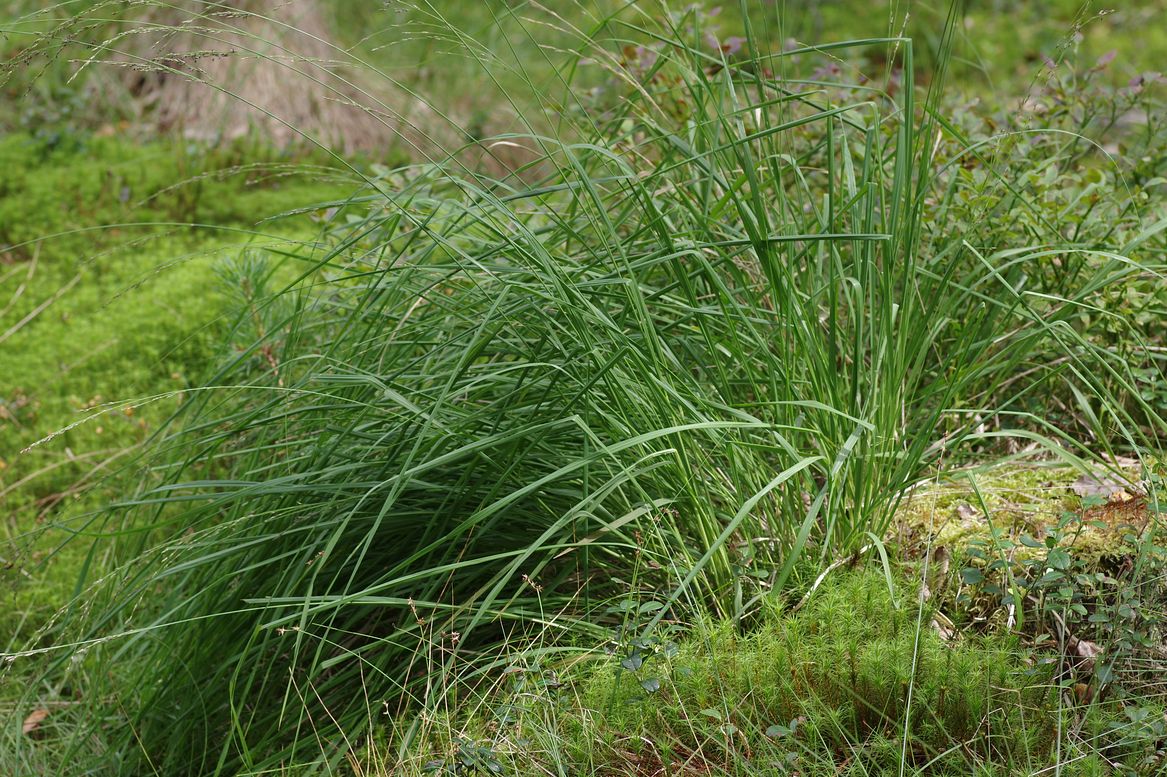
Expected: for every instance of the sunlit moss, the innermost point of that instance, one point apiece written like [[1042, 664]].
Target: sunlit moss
[[95, 311], [1015, 499]]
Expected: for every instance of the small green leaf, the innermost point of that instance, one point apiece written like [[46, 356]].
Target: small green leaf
[[1059, 558], [651, 685], [1051, 576], [972, 576]]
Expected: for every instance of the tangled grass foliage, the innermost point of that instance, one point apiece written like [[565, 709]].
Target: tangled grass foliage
[[708, 334]]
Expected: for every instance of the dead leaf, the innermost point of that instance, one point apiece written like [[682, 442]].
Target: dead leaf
[[944, 627], [1084, 648], [34, 720], [940, 559], [967, 512], [1104, 487], [937, 573]]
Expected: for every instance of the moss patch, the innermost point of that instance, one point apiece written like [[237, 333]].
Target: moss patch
[[1020, 499], [833, 682], [94, 311], [823, 690]]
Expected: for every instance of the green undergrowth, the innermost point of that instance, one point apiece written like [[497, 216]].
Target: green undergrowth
[[849, 667], [1001, 50], [66, 196], [112, 289], [1059, 556], [735, 309], [1001, 47], [1018, 498], [856, 682]]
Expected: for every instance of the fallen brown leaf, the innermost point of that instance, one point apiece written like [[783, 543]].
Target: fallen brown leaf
[[1120, 496], [34, 720], [967, 512], [1085, 648], [1104, 487], [945, 628]]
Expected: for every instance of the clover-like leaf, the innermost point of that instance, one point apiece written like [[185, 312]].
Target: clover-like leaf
[[633, 662]]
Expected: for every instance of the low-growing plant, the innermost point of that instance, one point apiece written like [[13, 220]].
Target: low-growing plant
[[855, 667], [711, 347], [104, 298], [819, 690]]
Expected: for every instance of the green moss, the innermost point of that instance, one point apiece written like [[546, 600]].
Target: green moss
[[843, 668], [94, 311], [1019, 500], [820, 691]]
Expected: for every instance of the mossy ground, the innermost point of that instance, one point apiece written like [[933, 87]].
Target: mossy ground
[[1015, 499], [825, 689], [852, 684], [105, 297]]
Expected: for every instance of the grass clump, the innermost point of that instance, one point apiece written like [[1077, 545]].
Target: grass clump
[[702, 345]]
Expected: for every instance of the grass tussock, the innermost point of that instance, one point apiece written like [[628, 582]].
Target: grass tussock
[[701, 345]]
